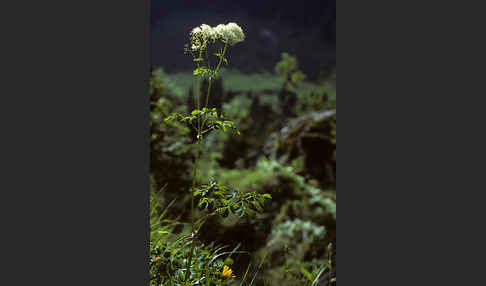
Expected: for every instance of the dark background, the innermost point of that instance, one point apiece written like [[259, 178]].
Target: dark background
[[304, 28]]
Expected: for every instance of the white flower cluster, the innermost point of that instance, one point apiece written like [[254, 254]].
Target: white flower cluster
[[231, 33]]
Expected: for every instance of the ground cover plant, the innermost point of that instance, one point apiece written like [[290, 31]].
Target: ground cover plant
[[237, 195]]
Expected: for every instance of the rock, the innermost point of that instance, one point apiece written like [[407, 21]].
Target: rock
[[311, 136]]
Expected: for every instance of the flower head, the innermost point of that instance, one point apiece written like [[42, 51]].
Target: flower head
[[206, 31], [196, 31], [230, 33], [157, 259], [234, 34], [218, 30], [197, 37], [227, 272]]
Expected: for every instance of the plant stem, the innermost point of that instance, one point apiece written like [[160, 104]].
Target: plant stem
[[221, 58], [198, 142], [194, 175], [215, 71], [198, 150], [193, 235], [209, 88]]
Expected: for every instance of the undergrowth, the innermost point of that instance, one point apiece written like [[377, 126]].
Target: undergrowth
[[209, 184]]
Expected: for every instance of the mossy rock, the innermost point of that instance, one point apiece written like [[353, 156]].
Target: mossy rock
[[312, 137]]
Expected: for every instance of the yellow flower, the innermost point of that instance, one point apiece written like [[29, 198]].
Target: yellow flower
[[227, 272], [157, 259]]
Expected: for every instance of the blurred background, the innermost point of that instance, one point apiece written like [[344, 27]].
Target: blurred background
[[280, 90]]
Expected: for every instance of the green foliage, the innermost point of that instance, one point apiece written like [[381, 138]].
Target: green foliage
[[236, 81], [210, 118], [169, 143], [217, 198], [169, 253], [169, 86], [179, 257], [293, 194], [300, 218], [288, 67], [291, 233], [156, 85], [315, 101], [311, 96], [203, 71], [220, 184], [239, 110], [320, 97]]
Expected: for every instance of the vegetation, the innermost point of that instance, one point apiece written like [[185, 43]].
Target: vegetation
[[243, 172]]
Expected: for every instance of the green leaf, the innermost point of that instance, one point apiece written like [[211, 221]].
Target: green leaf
[[306, 273], [258, 207], [249, 211]]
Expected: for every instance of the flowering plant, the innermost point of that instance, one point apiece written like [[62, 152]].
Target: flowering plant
[[214, 198]]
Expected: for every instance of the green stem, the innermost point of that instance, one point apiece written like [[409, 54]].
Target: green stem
[[209, 88], [199, 140], [221, 58], [193, 234], [194, 176], [215, 71]]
